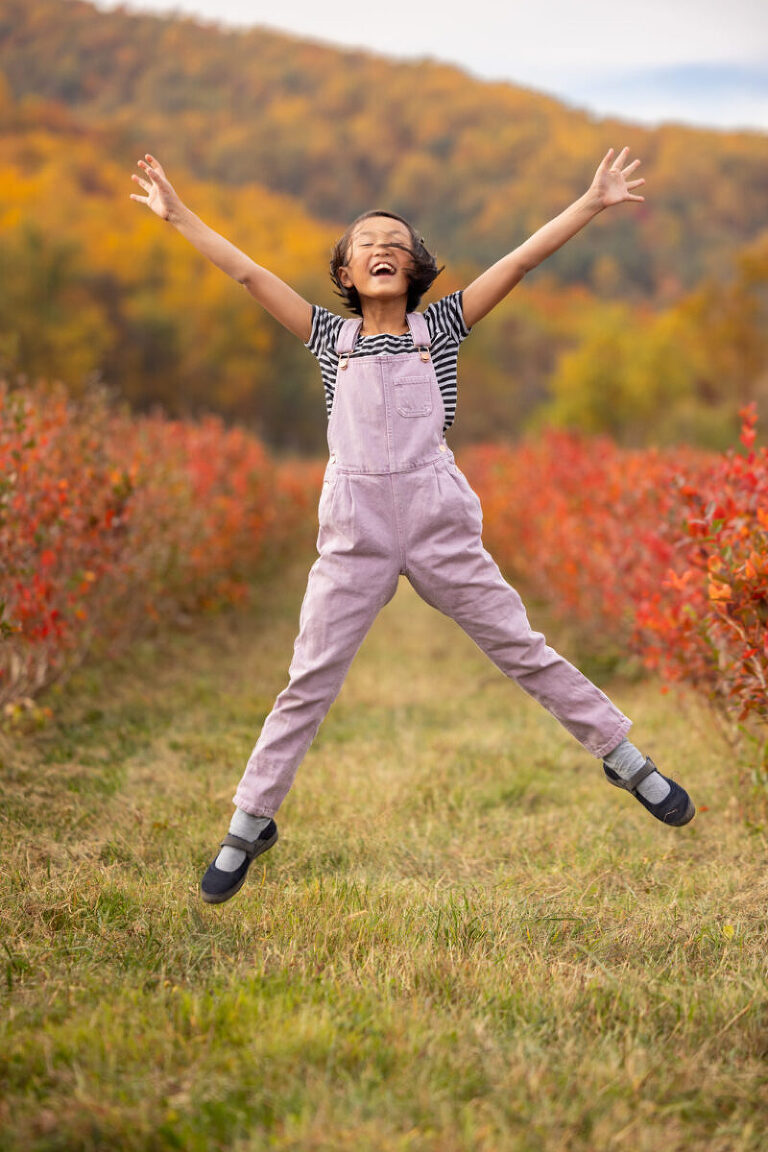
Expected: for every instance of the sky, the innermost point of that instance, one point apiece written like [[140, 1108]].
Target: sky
[[699, 62]]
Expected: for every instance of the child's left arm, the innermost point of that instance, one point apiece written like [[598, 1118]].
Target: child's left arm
[[610, 186]]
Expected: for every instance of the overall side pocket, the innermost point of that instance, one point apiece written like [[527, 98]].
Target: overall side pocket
[[325, 504]]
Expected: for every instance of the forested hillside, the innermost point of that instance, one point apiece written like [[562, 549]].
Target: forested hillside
[[477, 164], [278, 142]]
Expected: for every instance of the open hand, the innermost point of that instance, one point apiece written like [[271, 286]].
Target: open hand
[[611, 184], [161, 197]]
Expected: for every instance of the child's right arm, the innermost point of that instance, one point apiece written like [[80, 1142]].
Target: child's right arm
[[279, 299]]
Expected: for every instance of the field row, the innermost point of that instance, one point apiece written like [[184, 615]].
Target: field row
[[111, 524], [661, 554]]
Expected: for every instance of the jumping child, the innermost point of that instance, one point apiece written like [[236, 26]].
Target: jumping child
[[394, 502]]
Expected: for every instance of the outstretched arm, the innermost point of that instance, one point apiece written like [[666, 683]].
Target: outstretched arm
[[279, 299], [610, 186]]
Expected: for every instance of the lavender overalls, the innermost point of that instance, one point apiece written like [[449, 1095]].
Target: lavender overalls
[[394, 503]]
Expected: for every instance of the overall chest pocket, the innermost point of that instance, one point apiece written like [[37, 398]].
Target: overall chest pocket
[[413, 396]]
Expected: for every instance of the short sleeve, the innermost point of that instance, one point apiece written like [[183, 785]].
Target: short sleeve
[[325, 331], [446, 318]]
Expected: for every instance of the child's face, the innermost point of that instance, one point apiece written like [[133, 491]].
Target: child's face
[[378, 259]]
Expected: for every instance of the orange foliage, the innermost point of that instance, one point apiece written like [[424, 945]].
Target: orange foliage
[[278, 148]]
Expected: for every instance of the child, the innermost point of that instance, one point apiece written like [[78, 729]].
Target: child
[[393, 501]]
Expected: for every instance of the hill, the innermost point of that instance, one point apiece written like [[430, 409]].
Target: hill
[[477, 164], [279, 142]]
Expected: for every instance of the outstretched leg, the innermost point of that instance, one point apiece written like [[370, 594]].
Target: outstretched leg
[[492, 613], [345, 593], [450, 569]]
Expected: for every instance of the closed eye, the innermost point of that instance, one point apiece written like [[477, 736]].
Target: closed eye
[[404, 247]]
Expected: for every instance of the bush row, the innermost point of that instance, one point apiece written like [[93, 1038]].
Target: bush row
[[662, 553], [113, 524]]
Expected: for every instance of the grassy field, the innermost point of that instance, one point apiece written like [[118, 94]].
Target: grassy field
[[464, 939]]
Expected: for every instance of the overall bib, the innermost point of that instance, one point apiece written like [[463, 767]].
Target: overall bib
[[394, 503]]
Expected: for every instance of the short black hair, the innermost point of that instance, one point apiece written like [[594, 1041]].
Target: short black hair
[[420, 277]]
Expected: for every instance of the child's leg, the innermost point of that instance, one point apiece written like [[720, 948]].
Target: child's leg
[[492, 613], [451, 570], [449, 567], [345, 593]]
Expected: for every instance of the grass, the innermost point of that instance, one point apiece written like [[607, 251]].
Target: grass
[[463, 940]]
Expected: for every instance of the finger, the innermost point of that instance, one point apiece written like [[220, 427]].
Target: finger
[[139, 180], [621, 157], [159, 180], [155, 164], [630, 168], [138, 199], [605, 160], [148, 168], [635, 183]]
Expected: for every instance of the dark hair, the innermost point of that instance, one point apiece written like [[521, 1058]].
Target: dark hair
[[420, 277]]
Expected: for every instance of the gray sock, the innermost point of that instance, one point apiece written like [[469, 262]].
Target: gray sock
[[625, 760], [243, 825]]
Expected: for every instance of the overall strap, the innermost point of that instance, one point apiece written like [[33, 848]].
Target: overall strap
[[349, 330], [419, 330], [348, 335], [419, 334]]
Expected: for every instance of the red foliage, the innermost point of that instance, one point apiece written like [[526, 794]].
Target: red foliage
[[667, 553], [109, 523], [708, 623]]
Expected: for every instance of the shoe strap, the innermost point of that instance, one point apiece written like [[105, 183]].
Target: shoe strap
[[642, 773], [247, 846]]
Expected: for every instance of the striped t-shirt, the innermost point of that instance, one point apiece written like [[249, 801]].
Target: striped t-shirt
[[445, 322]]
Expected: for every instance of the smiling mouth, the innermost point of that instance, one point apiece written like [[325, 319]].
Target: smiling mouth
[[383, 268]]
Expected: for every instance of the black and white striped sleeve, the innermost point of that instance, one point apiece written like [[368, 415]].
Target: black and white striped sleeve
[[446, 318]]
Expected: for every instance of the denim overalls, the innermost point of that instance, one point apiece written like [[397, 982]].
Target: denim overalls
[[394, 503]]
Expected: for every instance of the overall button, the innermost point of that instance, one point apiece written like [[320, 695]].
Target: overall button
[[443, 447]]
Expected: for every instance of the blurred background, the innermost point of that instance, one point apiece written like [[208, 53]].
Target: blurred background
[[650, 326]]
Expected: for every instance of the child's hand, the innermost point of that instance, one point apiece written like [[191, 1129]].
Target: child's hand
[[610, 185], [161, 197]]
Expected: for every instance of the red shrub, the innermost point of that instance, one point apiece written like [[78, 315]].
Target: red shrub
[[666, 553], [585, 525], [709, 622], [110, 523]]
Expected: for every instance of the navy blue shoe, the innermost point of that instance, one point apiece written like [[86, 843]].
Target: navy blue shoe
[[676, 807], [218, 885]]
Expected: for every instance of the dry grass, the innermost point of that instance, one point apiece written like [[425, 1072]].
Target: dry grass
[[463, 940]]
